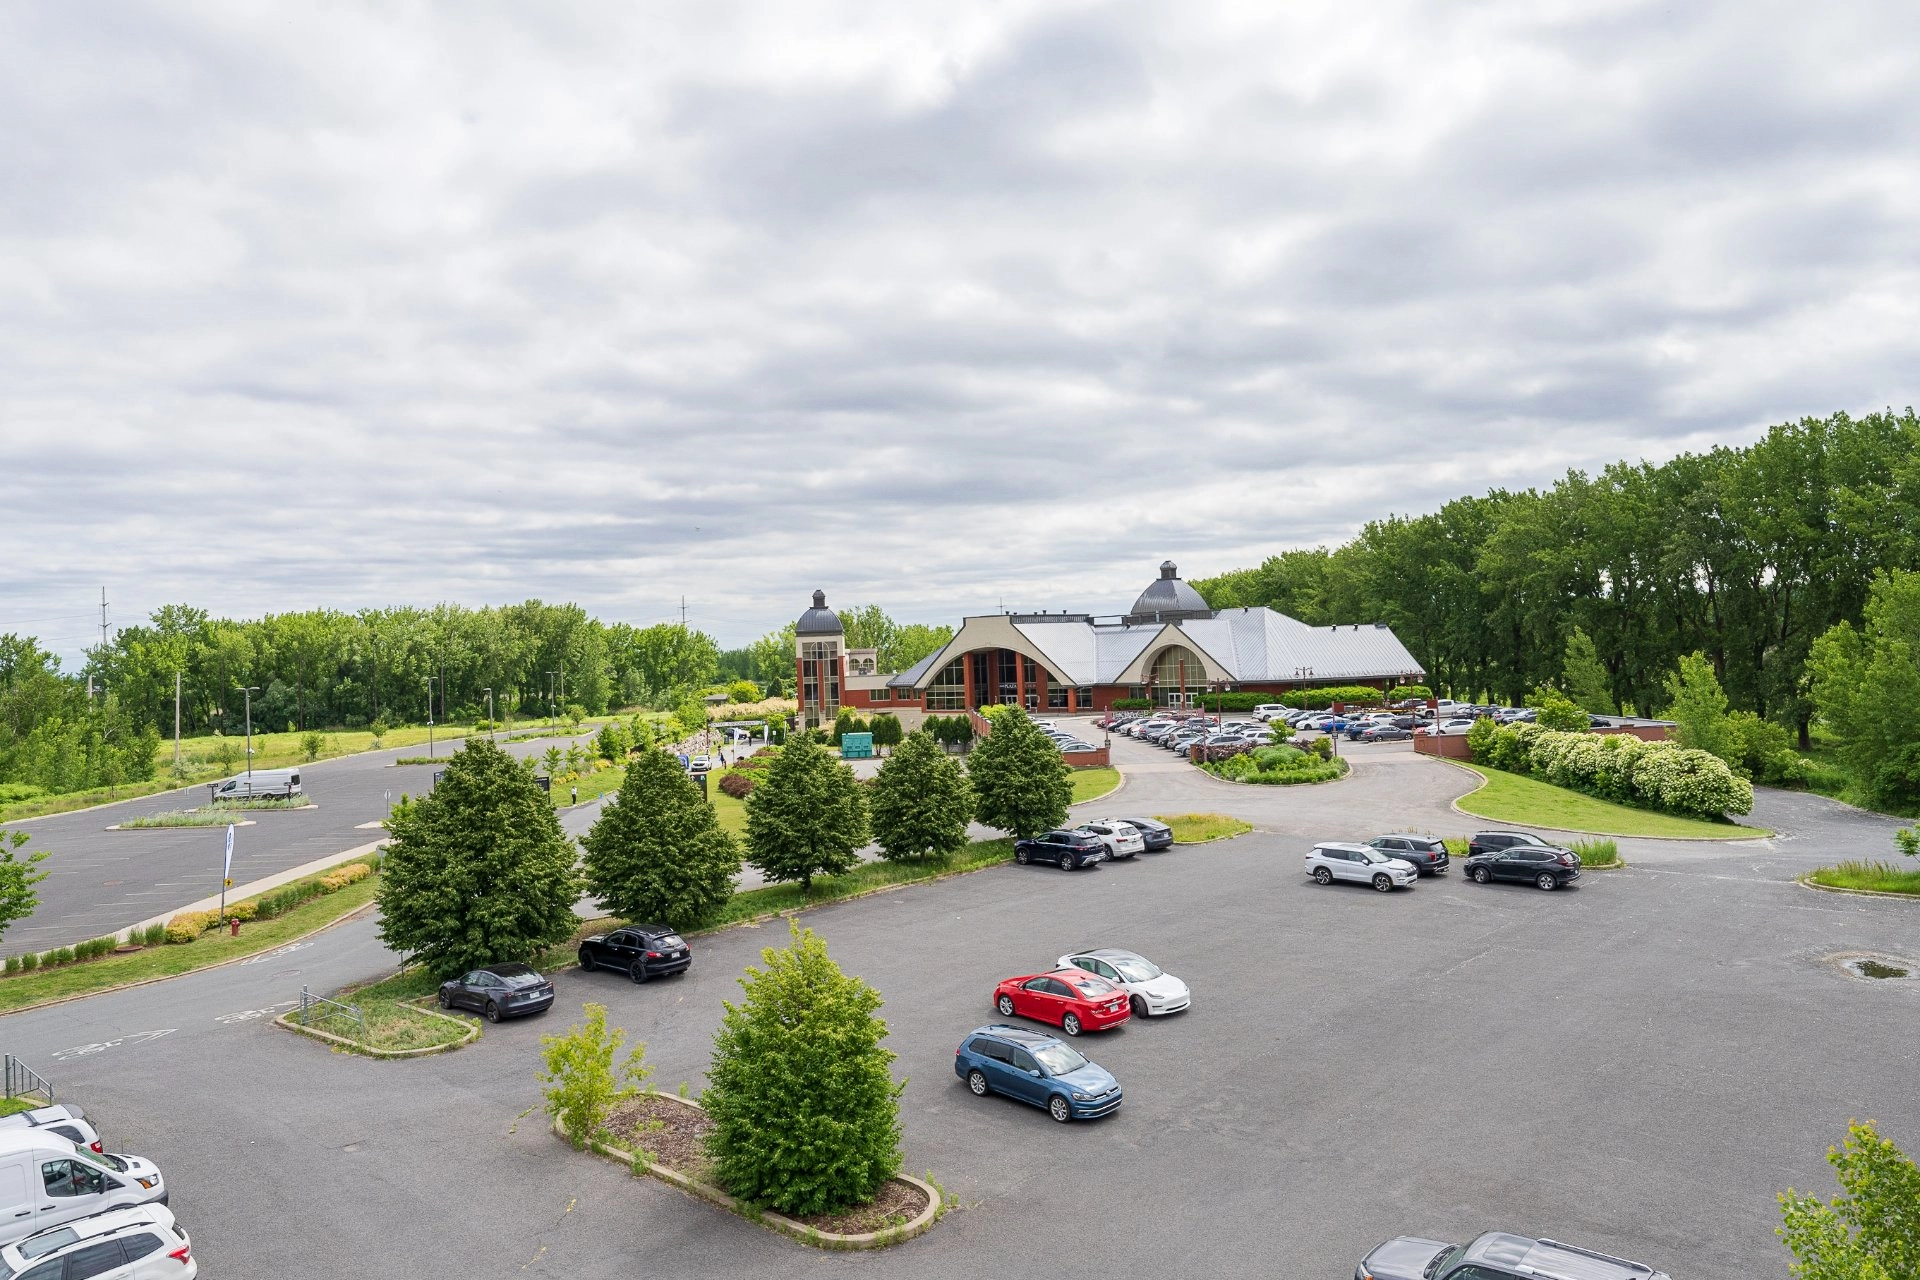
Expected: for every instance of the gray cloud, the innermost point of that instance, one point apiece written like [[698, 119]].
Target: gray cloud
[[930, 305]]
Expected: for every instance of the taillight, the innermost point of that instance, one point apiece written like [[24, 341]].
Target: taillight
[[97, 1148], [181, 1254], [1566, 859], [653, 955]]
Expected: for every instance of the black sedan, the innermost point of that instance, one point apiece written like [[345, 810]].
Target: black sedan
[[640, 951], [1158, 835], [499, 991]]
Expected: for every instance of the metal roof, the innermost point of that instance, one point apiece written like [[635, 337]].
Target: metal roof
[[1167, 598], [819, 620]]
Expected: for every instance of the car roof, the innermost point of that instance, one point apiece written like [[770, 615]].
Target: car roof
[[1551, 1260], [1015, 1035], [1348, 845], [92, 1227], [1407, 835], [1108, 953], [514, 970]]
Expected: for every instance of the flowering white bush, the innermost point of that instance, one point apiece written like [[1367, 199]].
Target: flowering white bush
[[1620, 767]]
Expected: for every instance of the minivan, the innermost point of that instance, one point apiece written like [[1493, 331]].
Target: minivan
[[46, 1181], [284, 783]]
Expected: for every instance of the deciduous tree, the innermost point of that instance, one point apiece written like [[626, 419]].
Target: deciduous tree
[[808, 816], [1021, 783], [922, 802], [657, 852], [1871, 1231]]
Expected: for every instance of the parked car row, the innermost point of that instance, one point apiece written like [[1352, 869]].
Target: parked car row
[[1097, 989], [1397, 861], [70, 1209], [1093, 842], [1068, 744]]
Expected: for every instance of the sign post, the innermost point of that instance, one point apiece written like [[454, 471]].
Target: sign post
[[226, 874]]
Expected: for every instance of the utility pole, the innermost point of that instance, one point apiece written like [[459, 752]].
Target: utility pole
[[683, 613], [176, 722], [489, 693], [250, 690], [429, 717], [550, 708]]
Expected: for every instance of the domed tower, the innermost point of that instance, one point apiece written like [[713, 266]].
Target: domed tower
[[1168, 599], [820, 658]]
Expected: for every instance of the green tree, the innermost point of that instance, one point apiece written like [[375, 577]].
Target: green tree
[[553, 758], [1585, 677], [1698, 708], [311, 745], [18, 875], [886, 730], [806, 1113], [743, 691], [612, 741], [1555, 710], [1857, 675], [658, 853], [477, 870], [1871, 1231], [584, 1083], [690, 717], [1021, 783], [922, 802], [807, 817]]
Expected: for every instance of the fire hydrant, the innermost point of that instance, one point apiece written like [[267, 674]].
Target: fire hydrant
[[235, 922]]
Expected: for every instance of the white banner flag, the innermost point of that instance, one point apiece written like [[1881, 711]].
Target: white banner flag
[[226, 872]]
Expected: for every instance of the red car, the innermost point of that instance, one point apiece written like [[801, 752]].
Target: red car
[[1071, 999]]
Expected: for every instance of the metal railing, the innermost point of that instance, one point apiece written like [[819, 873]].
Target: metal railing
[[24, 1082], [318, 1012]]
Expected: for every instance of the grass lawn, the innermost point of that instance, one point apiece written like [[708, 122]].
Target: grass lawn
[[24, 989], [592, 786], [1881, 877], [1198, 828], [392, 1024], [1091, 784], [1528, 802], [11, 1106]]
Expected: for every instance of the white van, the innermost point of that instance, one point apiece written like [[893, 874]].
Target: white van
[[283, 783], [46, 1181]]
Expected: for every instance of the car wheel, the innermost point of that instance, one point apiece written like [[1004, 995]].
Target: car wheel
[[1139, 1007], [446, 999], [1005, 1005], [1323, 875], [1070, 1024], [977, 1081], [639, 972], [493, 1012], [1384, 883], [1066, 862], [1057, 1108], [1020, 856], [1547, 881], [586, 961], [1481, 875]]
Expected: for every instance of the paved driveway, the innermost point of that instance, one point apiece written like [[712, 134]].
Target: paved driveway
[[1638, 1064]]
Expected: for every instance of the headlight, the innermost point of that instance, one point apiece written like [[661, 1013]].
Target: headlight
[[1082, 1097], [148, 1184]]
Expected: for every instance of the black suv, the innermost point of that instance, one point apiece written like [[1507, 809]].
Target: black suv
[[640, 951], [1428, 855], [1496, 1256], [1068, 850], [1515, 855]]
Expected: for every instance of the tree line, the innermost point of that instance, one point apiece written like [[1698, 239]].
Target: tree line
[[1747, 556]]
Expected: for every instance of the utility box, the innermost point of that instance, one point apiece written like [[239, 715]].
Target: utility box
[[856, 746]]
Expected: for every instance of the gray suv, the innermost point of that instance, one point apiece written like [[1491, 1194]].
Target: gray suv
[[1496, 1256]]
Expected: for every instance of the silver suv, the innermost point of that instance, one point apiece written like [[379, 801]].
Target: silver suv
[[1361, 863], [1496, 1256]]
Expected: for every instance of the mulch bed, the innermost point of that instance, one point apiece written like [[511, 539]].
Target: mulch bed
[[675, 1135]]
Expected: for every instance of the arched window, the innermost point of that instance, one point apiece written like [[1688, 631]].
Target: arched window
[[1176, 666]]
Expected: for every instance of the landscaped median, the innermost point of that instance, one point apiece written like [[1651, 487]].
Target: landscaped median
[[1876, 878], [1200, 828], [1527, 802], [381, 1028], [319, 907], [665, 1136]]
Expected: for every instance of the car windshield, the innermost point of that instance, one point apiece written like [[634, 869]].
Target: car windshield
[[1058, 1059], [1137, 970], [1374, 855]]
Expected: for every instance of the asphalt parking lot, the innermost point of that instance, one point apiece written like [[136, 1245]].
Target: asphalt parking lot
[[1638, 1064]]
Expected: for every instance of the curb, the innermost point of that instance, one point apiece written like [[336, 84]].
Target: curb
[[786, 1226], [274, 881], [1105, 795], [354, 1046], [360, 910], [1805, 883], [1573, 831], [184, 826]]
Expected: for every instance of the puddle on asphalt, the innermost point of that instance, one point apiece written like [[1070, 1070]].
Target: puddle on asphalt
[[1876, 969]]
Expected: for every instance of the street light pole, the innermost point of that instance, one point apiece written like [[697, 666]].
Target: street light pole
[[250, 690], [489, 693], [429, 717], [550, 706]]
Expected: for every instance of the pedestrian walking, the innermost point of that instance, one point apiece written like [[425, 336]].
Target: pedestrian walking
[[576, 795]]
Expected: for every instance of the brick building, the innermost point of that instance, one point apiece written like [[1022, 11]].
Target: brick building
[[1170, 647]]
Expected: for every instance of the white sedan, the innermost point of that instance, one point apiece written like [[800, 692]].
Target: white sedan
[[1150, 990], [1360, 863], [1122, 839]]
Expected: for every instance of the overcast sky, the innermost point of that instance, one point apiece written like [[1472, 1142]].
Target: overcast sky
[[935, 305]]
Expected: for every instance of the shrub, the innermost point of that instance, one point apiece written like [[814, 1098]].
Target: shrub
[[1238, 700], [887, 731], [744, 691], [736, 785], [1596, 853], [242, 911], [1346, 694], [29, 962], [60, 955], [13, 964], [188, 925], [1402, 692], [1479, 739], [1132, 704], [583, 1082], [1556, 710], [806, 1113], [153, 935], [311, 745], [1621, 768]]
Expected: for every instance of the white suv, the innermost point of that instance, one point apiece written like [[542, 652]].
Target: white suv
[[1361, 863], [141, 1243]]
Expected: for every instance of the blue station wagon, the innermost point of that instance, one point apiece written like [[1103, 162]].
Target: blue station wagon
[[1037, 1068]]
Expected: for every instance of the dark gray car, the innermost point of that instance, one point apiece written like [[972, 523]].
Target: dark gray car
[[499, 991], [1496, 1256], [1158, 835]]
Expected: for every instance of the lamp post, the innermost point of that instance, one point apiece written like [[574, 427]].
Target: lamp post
[[429, 717], [250, 690], [550, 706], [489, 693]]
